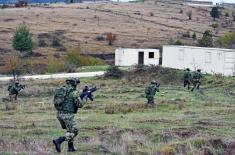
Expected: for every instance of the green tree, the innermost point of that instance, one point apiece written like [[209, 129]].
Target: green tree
[[207, 39], [22, 40], [215, 13]]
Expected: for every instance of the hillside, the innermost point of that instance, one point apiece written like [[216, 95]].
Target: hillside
[[59, 27]]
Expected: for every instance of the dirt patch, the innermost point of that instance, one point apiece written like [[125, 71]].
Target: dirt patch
[[29, 146], [9, 20]]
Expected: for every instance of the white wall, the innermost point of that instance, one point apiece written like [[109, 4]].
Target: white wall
[[210, 60], [129, 57]]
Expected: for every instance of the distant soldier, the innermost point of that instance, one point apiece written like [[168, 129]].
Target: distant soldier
[[14, 90], [150, 92], [187, 78], [67, 101], [196, 79]]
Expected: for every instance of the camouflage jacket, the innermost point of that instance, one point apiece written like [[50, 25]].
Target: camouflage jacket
[[187, 75], [72, 101], [151, 90], [14, 89], [197, 76]]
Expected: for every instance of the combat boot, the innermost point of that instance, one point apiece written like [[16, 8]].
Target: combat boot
[[71, 147], [58, 142]]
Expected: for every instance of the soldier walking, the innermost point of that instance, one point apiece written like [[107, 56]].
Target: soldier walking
[[187, 78], [150, 92], [66, 101], [196, 80]]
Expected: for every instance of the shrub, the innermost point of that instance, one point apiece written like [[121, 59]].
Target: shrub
[[42, 43], [22, 40], [227, 14], [207, 40], [113, 72], [55, 65], [194, 36], [189, 14], [181, 11], [151, 14], [215, 25], [175, 42], [29, 65], [228, 40], [13, 66], [75, 58], [55, 42], [99, 38], [186, 35]]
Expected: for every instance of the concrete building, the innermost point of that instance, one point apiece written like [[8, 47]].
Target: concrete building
[[209, 60], [129, 57]]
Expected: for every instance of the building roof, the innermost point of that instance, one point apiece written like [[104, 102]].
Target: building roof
[[206, 48]]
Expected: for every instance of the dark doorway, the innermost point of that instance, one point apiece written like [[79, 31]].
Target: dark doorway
[[141, 58]]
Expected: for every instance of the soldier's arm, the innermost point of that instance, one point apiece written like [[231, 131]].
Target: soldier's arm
[[77, 100]]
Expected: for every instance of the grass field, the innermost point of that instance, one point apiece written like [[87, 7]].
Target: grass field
[[117, 122]]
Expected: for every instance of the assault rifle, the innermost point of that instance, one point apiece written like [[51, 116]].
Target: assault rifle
[[88, 94], [85, 94]]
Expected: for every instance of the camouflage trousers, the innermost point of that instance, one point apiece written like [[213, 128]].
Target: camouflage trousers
[[196, 84], [67, 122], [150, 100], [187, 83]]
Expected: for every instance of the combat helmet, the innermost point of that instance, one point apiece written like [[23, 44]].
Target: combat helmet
[[73, 81]]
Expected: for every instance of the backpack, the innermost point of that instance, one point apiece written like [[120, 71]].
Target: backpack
[[147, 90], [60, 97], [9, 88]]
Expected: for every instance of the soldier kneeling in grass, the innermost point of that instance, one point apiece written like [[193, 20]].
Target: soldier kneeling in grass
[[150, 92]]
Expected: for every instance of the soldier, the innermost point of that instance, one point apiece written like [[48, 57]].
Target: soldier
[[196, 80], [66, 101], [187, 78], [14, 90], [150, 91]]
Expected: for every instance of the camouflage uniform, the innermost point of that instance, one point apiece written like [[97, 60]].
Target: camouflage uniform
[[196, 80], [150, 92], [14, 90], [66, 118], [66, 115], [187, 78]]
